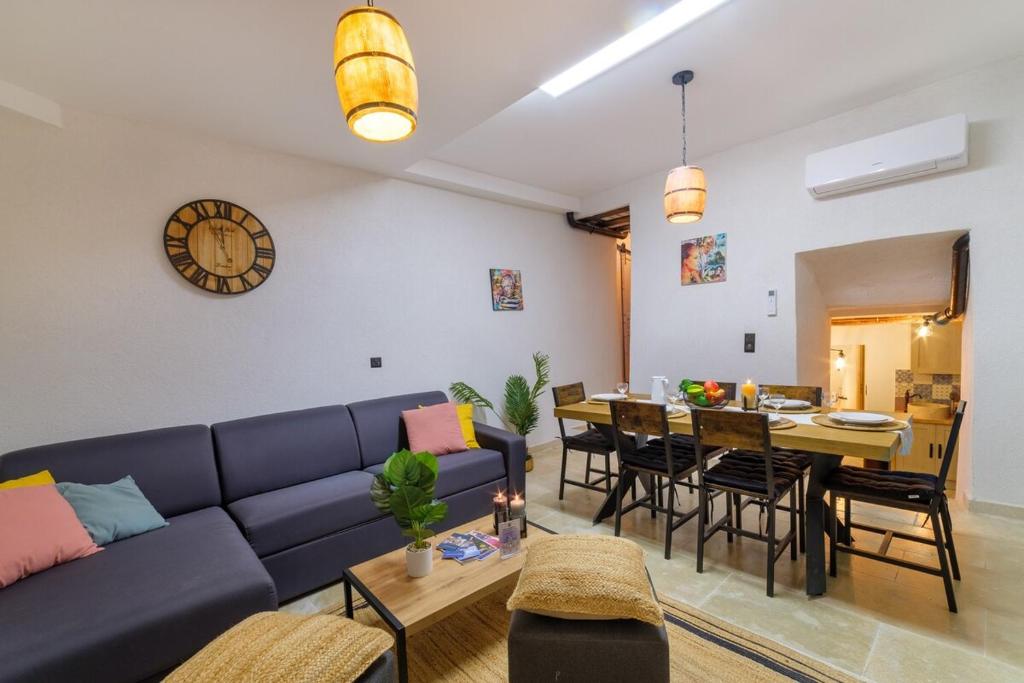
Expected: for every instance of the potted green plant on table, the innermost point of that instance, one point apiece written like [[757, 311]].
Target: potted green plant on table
[[405, 489], [520, 413]]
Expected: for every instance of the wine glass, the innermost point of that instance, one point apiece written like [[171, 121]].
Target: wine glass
[[622, 388], [776, 401], [762, 398], [672, 396]]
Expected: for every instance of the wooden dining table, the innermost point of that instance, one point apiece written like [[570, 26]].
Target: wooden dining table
[[826, 445]]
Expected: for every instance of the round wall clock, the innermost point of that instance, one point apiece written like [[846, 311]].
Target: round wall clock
[[219, 246]]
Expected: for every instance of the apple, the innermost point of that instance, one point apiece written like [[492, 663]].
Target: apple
[[710, 387]]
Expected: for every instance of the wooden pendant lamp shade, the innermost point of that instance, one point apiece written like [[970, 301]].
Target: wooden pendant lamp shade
[[375, 75], [685, 194], [686, 189]]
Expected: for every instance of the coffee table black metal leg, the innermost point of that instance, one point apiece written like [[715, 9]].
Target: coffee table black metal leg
[[815, 520], [403, 663], [348, 597]]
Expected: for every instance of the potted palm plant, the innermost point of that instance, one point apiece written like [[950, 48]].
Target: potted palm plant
[[520, 412], [405, 489]]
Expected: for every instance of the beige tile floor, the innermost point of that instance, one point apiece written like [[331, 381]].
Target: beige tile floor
[[877, 621]]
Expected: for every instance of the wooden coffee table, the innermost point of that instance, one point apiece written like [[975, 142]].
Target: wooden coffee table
[[410, 605]]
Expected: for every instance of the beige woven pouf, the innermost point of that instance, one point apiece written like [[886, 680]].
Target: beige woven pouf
[[272, 647]]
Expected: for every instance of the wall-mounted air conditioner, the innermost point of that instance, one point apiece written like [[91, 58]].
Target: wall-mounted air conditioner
[[926, 148]]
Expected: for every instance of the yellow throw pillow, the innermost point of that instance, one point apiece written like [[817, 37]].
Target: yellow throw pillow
[[465, 411], [38, 479], [586, 577]]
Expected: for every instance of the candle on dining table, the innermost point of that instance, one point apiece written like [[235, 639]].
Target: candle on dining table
[[749, 393]]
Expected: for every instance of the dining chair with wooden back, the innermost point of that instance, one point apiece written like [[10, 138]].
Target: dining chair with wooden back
[[760, 475], [812, 395], [915, 491], [656, 462], [590, 441]]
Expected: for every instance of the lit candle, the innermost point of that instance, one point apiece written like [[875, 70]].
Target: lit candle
[[749, 393], [500, 510], [517, 510]]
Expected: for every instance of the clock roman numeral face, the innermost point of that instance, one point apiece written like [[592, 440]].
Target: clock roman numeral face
[[219, 246]]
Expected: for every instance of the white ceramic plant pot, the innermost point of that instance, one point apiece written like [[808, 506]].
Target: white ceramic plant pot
[[419, 562]]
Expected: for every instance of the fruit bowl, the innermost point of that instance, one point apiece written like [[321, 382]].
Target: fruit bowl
[[706, 395]]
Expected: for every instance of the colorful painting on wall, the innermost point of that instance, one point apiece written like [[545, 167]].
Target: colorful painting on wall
[[703, 260], [506, 289]]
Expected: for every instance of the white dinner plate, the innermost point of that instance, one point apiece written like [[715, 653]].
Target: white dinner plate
[[795, 404], [607, 397], [860, 418]]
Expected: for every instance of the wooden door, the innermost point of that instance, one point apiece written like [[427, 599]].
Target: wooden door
[[941, 438], [625, 286], [922, 453]]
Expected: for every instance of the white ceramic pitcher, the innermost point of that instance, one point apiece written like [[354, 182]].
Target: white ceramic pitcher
[[659, 385]]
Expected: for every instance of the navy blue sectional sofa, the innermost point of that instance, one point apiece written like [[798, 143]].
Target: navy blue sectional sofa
[[261, 510]]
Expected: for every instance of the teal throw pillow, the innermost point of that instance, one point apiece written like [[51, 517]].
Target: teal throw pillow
[[112, 512]]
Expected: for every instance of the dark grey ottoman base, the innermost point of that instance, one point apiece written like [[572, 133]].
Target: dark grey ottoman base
[[546, 649]]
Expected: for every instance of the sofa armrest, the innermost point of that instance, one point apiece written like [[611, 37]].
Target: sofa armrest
[[510, 445]]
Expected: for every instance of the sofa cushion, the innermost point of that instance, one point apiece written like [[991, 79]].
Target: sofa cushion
[[282, 519], [173, 467], [139, 608], [434, 429], [379, 424], [462, 471], [112, 512], [270, 452]]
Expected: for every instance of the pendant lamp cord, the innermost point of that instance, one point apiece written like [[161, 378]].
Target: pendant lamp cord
[[683, 88], [369, 3]]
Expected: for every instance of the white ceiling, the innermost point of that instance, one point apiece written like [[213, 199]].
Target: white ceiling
[[903, 273], [260, 72]]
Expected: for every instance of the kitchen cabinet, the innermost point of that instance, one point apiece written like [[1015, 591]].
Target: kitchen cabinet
[[939, 352], [928, 452]]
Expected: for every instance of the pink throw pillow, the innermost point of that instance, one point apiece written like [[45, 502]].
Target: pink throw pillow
[[434, 429], [38, 530]]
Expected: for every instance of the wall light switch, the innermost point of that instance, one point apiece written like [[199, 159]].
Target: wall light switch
[[375, 362], [748, 342], [773, 303]]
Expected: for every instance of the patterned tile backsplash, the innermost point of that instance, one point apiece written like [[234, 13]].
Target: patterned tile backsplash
[[930, 387]]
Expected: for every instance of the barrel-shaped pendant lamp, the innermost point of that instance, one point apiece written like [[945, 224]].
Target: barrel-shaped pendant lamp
[[686, 189], [375, 75], [685, 194]]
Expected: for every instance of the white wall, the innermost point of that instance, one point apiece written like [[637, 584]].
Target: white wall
[[99, 334], [886, 349], [756, 194]]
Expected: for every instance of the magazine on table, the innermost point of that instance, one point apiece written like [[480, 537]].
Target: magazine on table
[[463, 547]]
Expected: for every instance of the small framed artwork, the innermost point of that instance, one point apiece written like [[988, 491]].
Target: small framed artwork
[[703, 260], [506, 289]]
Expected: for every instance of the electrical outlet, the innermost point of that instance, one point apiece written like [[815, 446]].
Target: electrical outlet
[[748, 342], [375, 362]]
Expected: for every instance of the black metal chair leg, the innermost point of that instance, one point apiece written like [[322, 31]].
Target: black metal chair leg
[[728, 513], [586, 477], [702, 513], [771, 548], [561, 482], [652, 493], [737, 504], [833, 531], [802, 500], [947, 526], [608, 472], [940, 546], [848, 519], [618, 503], [668, 523], [792, 523]]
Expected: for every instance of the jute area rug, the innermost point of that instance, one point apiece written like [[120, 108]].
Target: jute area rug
[[471, 646]]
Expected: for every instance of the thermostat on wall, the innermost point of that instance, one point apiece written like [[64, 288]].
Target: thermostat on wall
[[773, 303]]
